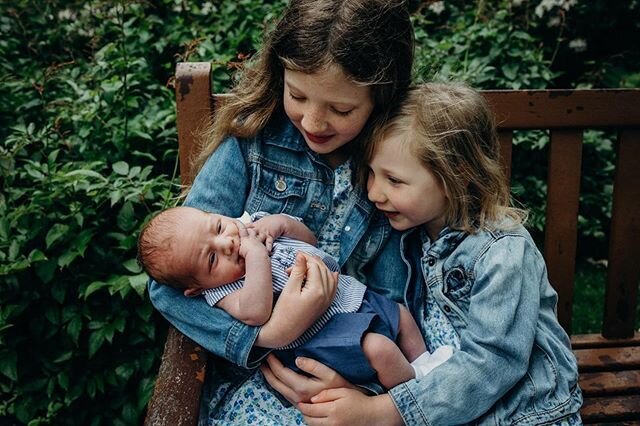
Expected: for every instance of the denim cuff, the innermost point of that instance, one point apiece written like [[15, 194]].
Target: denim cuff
[[239, 342], [407, 405]]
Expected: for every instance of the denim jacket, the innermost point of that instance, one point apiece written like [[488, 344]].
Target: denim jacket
[[514, 365], [275, 172]]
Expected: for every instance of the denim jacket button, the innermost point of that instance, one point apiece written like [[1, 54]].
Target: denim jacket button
[[281, 185], [431, 261], [447, 309], [347, 228]]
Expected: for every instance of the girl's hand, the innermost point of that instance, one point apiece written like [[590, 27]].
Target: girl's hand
[[350, 407], [296, 387], [301, 302]]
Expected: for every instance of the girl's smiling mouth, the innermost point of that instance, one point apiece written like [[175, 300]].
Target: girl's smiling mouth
[[318, 139]]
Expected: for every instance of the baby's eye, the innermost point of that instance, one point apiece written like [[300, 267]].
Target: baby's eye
[[394, 180], [219, 228], [212, 258]]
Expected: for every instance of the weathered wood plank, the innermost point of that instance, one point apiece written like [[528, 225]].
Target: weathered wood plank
[[610, 383], [585, 341], [561, 228], [549, 109], [621, 296], [178, 387], [609, 409], [608, 359], [194, 107], [506, 147]]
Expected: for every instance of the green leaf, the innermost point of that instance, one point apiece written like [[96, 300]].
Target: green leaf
[[96, 340], [67, 258], [121, 168], [66, 356], [9, 365], [139, 283], [93, 287], [56, 232], [86, 173], [46, 270], [37, 256], [126, 217], [132, 265], [73, 328], [510, 71], [115, 196]]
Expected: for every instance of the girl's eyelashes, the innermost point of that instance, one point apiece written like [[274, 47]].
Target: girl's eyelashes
[[342, 113], [394, 180], [296, 97]]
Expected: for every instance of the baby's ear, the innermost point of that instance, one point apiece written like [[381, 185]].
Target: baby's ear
[[193, 292]]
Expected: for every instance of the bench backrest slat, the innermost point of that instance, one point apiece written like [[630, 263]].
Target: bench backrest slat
[[561, 226], [194, 107], [506, 147], [548, 109], [624, 250]]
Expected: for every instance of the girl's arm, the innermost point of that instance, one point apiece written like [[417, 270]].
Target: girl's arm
[[221, 186], [252, 304]]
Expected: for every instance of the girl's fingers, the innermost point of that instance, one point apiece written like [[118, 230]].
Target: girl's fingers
[[297, 274]]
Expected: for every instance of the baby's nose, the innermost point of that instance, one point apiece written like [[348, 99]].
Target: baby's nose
[[227, 244]]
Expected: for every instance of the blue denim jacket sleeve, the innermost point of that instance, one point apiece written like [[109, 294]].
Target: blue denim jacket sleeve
[[494, 347], [220, 186]]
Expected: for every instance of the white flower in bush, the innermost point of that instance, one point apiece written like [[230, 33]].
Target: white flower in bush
[[578, 44], [437, 7]]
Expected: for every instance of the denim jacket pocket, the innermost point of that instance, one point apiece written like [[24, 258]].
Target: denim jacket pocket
[[276, 191], [457, 283]]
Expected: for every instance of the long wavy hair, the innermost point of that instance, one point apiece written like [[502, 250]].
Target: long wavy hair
[[371, 40], [451, 129]]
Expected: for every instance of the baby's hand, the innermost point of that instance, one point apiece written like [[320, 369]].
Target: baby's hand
[[251, 244], [269, 228]]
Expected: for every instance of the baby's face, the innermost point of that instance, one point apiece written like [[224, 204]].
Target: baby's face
[[207, 248]]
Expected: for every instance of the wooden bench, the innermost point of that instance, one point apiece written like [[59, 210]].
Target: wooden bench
[[609, 362]]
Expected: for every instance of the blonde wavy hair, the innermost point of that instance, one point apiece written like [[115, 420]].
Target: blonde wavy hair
[[371, 40], [451, 130]]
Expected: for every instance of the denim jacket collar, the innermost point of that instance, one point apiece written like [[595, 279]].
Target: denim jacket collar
[[448, 239], [281, 133]]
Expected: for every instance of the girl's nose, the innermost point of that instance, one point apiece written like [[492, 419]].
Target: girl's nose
[[314, 121], [373, 192]]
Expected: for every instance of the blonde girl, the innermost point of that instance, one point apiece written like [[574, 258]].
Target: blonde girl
[[477, 281], [288, 141]]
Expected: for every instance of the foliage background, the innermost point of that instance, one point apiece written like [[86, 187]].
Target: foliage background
[[88, 152]]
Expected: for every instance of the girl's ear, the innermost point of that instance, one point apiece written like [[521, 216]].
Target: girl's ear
[[193, 292]]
